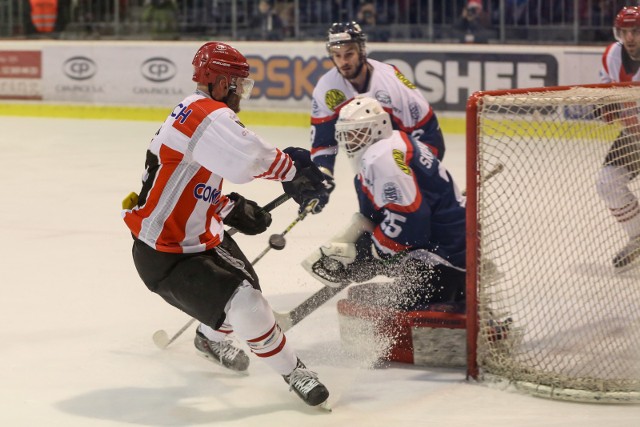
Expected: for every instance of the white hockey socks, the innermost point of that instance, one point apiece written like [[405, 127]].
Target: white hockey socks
[[253, 321], [215, 335], [613, 188]]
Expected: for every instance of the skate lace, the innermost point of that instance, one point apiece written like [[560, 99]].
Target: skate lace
[[227, 351], [303, 380]]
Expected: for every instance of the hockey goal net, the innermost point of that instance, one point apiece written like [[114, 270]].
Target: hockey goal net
[[546, 311]]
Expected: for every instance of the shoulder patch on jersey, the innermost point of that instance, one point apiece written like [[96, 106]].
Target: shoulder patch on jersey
[[404, 80], [391, 193], [333, 98], [398, 157], [383, 97]]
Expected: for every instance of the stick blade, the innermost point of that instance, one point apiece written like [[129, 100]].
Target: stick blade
[[284, 320], [160, 339]]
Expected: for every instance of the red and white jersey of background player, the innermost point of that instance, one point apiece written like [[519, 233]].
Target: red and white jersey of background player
[[405, 104], [412, 200], [200, 144], [613, 69]]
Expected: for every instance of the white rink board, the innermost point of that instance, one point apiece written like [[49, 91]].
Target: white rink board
[[135, 73]]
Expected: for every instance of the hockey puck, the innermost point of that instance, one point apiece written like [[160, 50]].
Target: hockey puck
[[277, 242]]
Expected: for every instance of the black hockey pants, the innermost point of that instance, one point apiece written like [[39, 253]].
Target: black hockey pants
[[199, 284]]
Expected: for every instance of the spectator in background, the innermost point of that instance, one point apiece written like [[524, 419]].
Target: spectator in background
[[266, 24], [367, 17], [287, 13], [162, 17], [43, 16], [474, 23], [516, 11]]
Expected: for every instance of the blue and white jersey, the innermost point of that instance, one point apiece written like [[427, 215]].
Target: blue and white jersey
[[409, 110], [412, 200]]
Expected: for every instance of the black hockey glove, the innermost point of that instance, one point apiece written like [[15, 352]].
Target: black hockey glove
[[308, 183], [322, 199], [246, 216]]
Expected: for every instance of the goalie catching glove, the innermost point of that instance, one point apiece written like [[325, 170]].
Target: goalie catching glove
[[343, 263]]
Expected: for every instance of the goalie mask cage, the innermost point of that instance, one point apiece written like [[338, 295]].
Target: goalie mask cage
[[540, 244]]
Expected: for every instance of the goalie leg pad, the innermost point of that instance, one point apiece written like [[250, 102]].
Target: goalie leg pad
[[371, 330]]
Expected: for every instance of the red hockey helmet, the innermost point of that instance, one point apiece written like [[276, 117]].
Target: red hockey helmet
[[214, 59], [628, 17]]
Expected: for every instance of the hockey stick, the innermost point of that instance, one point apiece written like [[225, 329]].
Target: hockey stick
[[277, 241], [289, 319], [161, 338]]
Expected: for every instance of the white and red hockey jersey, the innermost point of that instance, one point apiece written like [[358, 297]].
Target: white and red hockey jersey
[[201, 143], [409, 110], [617, 66]]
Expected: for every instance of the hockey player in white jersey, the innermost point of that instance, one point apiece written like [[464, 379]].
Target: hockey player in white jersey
[[621, 63], [355, 74], [181, 250], [414, 211]]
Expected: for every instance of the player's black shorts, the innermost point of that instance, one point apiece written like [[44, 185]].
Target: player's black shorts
[[199, 284]]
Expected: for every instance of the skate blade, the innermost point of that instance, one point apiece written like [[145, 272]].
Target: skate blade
[[325, 406], [631, 266]]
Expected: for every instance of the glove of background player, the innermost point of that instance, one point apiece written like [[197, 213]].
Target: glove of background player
[[246, 216], [322, 199], [307, 185]]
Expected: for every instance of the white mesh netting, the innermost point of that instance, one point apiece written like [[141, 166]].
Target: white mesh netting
[[575, 331]]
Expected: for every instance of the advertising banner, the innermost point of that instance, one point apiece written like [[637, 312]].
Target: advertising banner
[[20, 74], [159, 74]]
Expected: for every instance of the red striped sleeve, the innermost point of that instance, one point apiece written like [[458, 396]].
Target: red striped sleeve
[[279, 168]]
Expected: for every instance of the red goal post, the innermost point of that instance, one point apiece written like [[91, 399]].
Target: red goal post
[[546, 313]]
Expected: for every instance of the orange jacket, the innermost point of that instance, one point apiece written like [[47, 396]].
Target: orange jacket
[[44, 14]]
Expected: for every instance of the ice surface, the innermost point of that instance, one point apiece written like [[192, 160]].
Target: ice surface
[[75, 341]]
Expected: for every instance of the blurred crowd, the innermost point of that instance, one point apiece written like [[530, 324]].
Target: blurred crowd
[[469, 21]]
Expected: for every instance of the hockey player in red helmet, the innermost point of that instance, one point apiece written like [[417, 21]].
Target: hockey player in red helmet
[[621, 63], [217, 61], [626, 30], [181, 249]]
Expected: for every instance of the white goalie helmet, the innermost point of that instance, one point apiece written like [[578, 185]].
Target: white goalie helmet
[[361, 122]]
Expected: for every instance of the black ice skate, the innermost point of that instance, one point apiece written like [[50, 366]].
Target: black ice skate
[[306, 385], [628, 254], [224, 353]]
